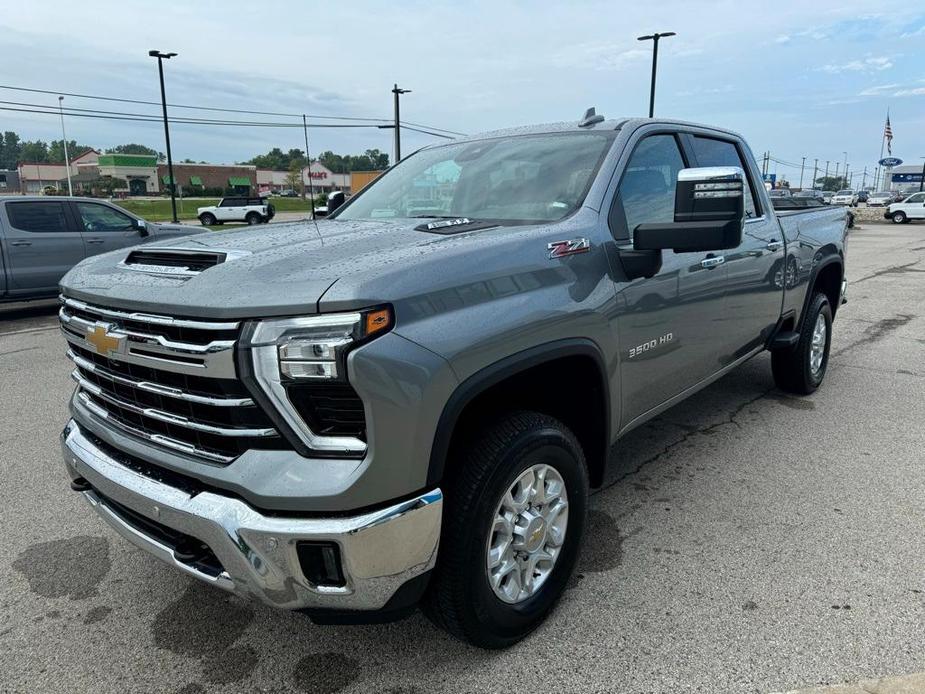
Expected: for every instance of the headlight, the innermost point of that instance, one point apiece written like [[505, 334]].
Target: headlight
[[296, 359]]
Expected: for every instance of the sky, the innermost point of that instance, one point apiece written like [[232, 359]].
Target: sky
[[799, 79]]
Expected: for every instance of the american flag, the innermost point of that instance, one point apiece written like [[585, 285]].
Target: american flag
[[888, 134]]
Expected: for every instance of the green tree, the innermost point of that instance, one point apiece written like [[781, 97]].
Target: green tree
[[56, 150], [294, 177], [34, 151], [10, 150], [831, 183], [131, 148]]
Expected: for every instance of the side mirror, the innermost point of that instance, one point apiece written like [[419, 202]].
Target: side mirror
[[140, 226], [709, 213], [335, 200]]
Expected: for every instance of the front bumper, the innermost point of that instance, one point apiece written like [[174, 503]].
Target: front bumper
[[256, 554]]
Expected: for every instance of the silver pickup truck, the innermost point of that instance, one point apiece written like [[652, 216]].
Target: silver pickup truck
[[409, 402], [41, 238]]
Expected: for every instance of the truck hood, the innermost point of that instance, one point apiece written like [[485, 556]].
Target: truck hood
[[276, 269]]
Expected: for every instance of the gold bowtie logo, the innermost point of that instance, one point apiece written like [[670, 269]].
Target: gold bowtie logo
[[102, 341]]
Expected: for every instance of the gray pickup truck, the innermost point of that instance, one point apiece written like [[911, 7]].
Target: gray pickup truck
[[41, 238], [392, 408]]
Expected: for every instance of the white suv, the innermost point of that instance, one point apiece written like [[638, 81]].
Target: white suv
[[845, 197], [242, 209], [912, 207]]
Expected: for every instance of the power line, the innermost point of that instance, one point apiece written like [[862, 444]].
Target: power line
[[429, 128]]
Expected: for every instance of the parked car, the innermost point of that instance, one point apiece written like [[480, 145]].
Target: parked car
[[288, 193], [900, 195], [911, 208], [391, 410], [810, 193], [881, 199], [237, 209], [863, 195], [42, 238], [845, 197], [827, 196], [779, 193]]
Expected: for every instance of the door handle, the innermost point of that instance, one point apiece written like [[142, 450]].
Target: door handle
[[713, 261], [94, 240], [773, 245], [20, 243]]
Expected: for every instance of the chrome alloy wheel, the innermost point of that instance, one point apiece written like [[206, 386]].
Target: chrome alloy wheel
[[527, 533], [817, 348]]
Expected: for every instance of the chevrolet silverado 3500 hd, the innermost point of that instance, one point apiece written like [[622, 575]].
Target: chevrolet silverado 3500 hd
[[394, 407]]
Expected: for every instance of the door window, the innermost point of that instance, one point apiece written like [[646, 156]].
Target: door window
[[918, 197], [96, 217], [38, 217], [712, 152], [647, 189]]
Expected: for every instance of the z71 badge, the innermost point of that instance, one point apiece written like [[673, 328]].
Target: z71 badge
[[560, 249]]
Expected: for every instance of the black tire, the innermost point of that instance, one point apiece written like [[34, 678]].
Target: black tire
[[460, 598], [253, 218], [792, 367], [899, 217], [207, 219]]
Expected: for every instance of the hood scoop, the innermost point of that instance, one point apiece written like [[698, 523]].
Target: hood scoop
[[177, 262]]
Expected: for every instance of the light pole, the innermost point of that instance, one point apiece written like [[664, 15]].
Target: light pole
[[67, 162], [311, 184], [173, 184], [815, 173], [826, 169], [398, 92], [654, 39], [802, 164], [922, 181]]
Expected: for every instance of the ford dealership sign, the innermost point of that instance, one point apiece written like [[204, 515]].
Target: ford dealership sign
[[890, 161]]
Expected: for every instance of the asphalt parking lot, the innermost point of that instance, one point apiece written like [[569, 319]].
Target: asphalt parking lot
[[752, 542]]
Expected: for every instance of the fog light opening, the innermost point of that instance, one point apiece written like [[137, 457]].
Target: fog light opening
[[321, 564]]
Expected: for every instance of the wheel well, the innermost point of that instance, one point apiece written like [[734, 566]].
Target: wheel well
[[828, 281], [571, 389]]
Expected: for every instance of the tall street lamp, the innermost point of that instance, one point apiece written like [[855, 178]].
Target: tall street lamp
[[922, 181], [173, 185], [67, 161], [654, 39], [398, 92]]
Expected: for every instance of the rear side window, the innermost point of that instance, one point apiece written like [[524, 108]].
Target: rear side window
[[232, 202], [255, 201], [38, 217], [711, 152]]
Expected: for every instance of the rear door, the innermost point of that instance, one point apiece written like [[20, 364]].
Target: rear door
[[41, 245], [668, 327], [104, 228], [757, 270]]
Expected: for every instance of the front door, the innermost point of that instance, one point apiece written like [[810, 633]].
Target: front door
[[914, 206], [41, 244], [136, 186], [668, 327], [105, 228], [758, 272]]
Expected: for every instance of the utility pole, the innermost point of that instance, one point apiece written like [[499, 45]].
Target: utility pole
[[846, 175], [311, 185], [922, 180], [67, 162], [654, 38], [864, 179], [173, 183], [837, 164], [826, 169], [398, 92], [815, 172]]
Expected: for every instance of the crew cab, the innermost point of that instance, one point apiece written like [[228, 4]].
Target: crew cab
[[237, 209], [911, 208], [41, 238], [390, 408]]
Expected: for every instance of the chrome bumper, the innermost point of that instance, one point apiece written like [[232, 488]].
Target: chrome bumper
[[380, 550]]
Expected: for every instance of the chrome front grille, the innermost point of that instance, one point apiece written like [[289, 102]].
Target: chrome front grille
[[171, 382]]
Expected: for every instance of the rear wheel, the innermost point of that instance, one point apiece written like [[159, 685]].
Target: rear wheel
[[253, 218], [800, 370], [899, 217], [513, 522], [207, 219]]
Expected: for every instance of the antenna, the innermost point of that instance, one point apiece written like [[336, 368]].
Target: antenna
[[590, 118]]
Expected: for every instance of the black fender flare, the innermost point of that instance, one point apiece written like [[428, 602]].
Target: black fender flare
[[831, 258], [498, 371]]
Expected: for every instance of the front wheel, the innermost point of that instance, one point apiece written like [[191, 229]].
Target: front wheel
[[207, 219], [800, 370], [514, 518], [899, 218]]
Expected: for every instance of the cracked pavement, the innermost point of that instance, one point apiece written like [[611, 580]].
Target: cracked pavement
[[750, 541]]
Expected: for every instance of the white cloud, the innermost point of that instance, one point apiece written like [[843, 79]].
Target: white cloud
[[878, 90], [866, 65], [914, 91], [783, 38]]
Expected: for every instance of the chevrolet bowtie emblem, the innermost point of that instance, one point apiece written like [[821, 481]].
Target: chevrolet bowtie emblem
[[104, 343]]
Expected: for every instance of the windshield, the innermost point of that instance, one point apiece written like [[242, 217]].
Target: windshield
[[517, 179]]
